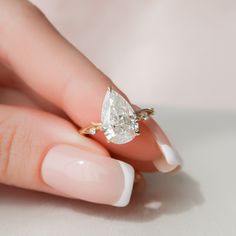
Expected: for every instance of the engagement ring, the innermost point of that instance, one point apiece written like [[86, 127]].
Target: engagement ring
[[119, 121]]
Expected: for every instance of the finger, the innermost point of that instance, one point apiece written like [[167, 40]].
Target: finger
[[170, 160], [9, 80], [14, 97], [60, 73], [43, 152]]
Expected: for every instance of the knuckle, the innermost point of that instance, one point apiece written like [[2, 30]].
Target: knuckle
[[7, 137], [14, 142]]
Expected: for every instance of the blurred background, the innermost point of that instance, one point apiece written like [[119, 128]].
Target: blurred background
[[160, 52]]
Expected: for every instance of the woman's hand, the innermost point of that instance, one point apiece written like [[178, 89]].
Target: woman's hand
[[48, 90]]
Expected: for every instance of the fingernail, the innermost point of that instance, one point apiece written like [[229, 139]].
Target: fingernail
[[85, 175], [171, 155], [170, 161]]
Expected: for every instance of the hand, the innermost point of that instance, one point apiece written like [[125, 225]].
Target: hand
[[48, 90]]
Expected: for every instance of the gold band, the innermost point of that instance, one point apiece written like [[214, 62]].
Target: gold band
[[142, 114]]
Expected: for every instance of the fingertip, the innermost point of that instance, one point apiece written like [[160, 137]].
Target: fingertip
[[85, 175], [128, 172]]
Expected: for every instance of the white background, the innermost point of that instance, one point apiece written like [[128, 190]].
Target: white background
[[179, 56], [171, 52]]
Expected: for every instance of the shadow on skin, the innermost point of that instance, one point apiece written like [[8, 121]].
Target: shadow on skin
[[159, 195]]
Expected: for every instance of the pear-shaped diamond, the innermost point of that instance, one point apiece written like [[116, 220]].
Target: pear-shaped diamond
[[119, 121]]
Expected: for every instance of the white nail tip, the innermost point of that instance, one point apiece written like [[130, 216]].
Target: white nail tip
[[128, 172], [170, 155]]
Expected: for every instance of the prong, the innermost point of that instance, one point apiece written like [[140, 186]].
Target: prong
[[144, 114], [152, 111], [97, 125], [137, 132], [109, 88]]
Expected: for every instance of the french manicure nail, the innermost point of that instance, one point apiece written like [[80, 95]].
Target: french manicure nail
[[87, 176], [171, 159], [171, 155]]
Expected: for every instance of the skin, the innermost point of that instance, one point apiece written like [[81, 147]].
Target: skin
[[44, 83]]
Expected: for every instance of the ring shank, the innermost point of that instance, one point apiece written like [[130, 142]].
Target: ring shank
[[142, 114]]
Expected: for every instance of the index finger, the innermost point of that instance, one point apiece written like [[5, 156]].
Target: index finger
[[57, 71]]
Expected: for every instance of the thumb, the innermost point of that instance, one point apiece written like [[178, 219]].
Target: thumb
[[43, 152]]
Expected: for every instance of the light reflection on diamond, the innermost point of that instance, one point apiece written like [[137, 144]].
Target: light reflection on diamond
[[118, 118]]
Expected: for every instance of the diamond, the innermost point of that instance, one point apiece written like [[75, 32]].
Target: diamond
[[92, 130], [119, 121]]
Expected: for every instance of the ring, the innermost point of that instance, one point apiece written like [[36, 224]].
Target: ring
[[119, 121]]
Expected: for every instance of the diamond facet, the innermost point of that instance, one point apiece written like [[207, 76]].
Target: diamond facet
[[119, 121]]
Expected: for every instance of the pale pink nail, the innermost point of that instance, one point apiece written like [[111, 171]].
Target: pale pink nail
[[88, 176]]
